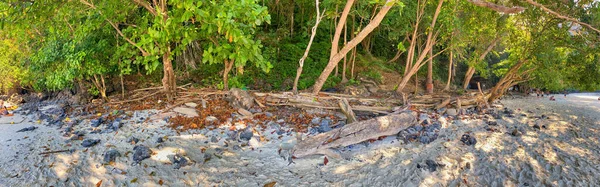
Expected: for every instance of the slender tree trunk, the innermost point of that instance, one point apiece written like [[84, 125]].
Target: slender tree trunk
[[335, 59], [292, 20], [312, 37], [449, 71], [471, 70], [344, 79], [228, 66], [429, 84]]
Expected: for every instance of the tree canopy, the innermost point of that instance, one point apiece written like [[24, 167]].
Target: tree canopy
[[87, 44]]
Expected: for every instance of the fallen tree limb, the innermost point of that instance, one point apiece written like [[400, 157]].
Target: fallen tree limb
[[347, 109], [354, 133], [138, 99], [52, 152]]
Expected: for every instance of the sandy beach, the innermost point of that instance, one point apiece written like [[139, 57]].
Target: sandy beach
[[538, 143]]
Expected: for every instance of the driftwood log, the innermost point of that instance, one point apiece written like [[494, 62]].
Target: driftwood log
[[353, 133]]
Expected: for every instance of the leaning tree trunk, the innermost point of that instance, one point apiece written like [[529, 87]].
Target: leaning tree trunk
[[511, 78], [471, 70], [312, 37], [355, 41], [412, 69]]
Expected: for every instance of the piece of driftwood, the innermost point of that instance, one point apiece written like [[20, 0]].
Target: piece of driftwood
[[347, 110], [444, 103], [353, 133], [52, 152]]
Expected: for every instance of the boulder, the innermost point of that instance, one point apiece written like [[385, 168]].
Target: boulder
[[240, 98]]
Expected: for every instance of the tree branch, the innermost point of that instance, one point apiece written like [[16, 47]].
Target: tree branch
[[497, 8], [147, 6], [561, 16], [144, 53]]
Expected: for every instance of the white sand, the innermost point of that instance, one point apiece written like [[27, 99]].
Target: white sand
[[565, 154]]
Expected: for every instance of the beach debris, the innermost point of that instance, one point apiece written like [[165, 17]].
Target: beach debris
[[270, 184], [353, 133], [90, 142], [188, 112], [52, 152], [27, 129]]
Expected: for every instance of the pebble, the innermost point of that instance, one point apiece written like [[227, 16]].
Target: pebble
[[90, 142], [111, 156], [133, 140], [160, 140], [247, 134], [432, 165], [214, 139], [179, 161], [96, 122], [141, 152]]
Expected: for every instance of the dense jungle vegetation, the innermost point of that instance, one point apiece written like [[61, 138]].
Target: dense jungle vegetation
[[94, 46]]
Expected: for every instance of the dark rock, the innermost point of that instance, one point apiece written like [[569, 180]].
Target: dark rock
[[425, 139], [141, 152], [27, 129], [237, 147], [247, 134], [96, 122], [325, 125], [432, 165], [536, 126], [160, 140], [214, 139], [116, 125], [111, 156], [316, 121], [179, 161], [467, 139], [90, 142], [133, 140], [492, 122], [515, 132]]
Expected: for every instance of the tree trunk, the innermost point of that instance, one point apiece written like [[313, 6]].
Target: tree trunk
[[414, 68], [338, 32], [335, 59], [471, 70], [228, 66], [169, 75], [429, 84], [449, 72], [511, 78], [344, 79], [312, 37]]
